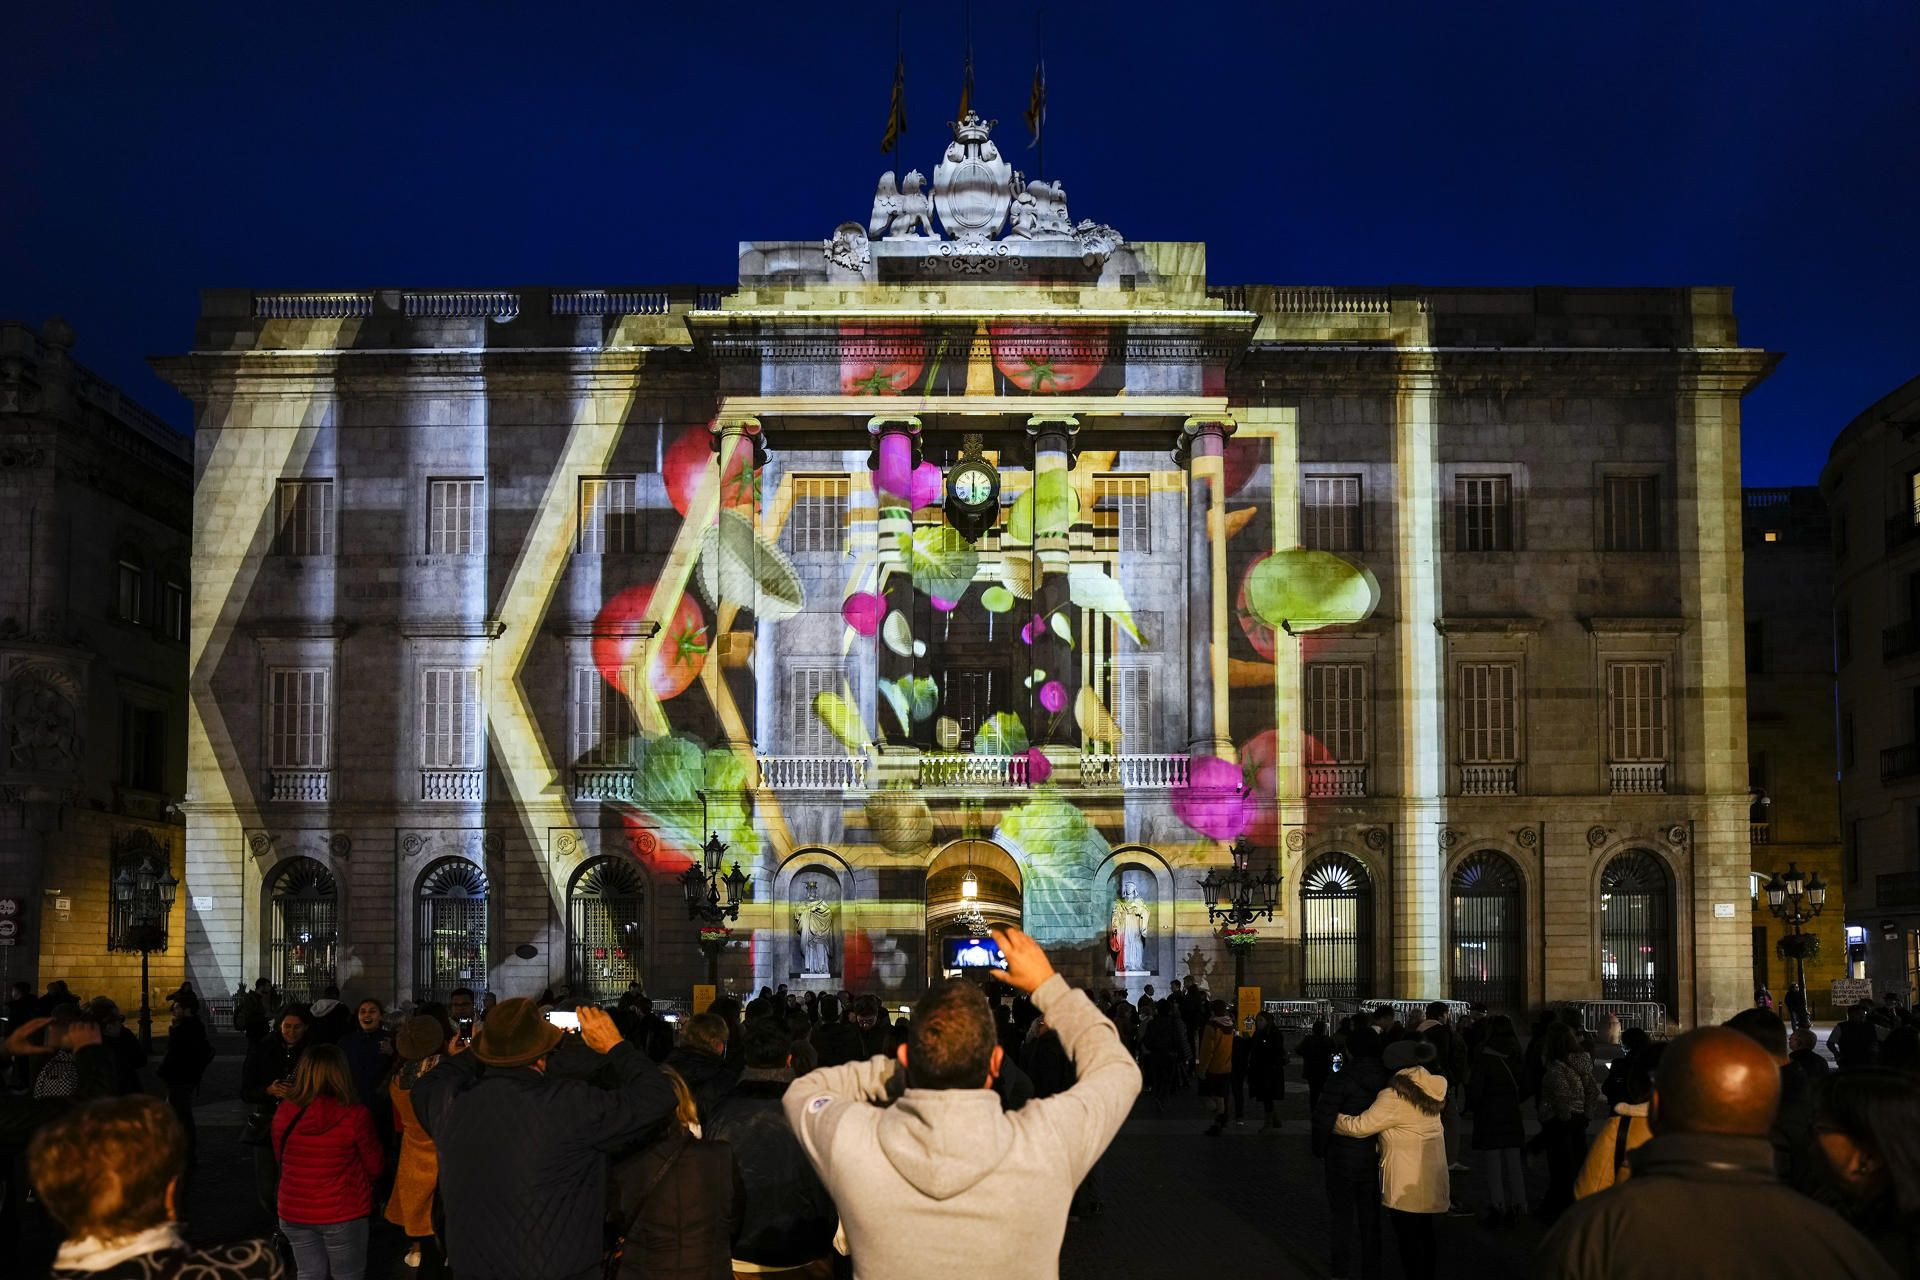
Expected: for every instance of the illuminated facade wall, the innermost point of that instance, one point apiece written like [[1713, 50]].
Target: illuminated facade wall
[[1432, 596]]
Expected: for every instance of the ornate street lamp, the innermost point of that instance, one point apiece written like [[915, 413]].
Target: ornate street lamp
[[703, 885], [145, 896], [1238, 898], [1796, 899]]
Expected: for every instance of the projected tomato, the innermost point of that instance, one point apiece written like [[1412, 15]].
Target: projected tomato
[[1260, 767], [690, 457], [677, 662], [880, 361], [1048, 359]]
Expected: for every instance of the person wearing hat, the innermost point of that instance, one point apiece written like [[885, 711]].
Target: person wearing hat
[[421, 1041], [1414, 1183], [523, 1153], [189, 1054]]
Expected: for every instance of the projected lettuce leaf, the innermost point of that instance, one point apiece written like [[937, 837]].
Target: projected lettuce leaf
[[1003, 734], [1304, 590], [668, 783], [1091, 588], [1059, 509], [842, 719], [941, 561]]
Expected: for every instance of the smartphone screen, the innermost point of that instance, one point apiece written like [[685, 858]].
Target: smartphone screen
[[566, 1020]]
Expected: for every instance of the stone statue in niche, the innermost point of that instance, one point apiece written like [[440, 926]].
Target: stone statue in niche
[[1130, 928], [904, 212], [42, 729], [813, 930]]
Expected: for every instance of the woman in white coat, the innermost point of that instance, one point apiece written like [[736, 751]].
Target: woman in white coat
[[1414, 1183]]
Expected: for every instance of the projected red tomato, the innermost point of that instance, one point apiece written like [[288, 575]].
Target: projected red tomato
[[1048, 359], [655, 848], [880, 361], [690, 457], [679, 658], [856, 964], [1258, 633], [1260, 764]]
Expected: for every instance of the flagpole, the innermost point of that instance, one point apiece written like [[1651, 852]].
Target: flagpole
[[1040, 52], [898, 55]]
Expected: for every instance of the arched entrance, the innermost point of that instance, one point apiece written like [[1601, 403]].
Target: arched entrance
[[1636, 929], [450, 929], [1485, 905], [1336, 916], [303, 911], [604, 929], [971, 884]]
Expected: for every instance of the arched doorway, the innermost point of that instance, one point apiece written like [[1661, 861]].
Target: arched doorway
[[1488, 932], [1336, 916], [971, 884], [303, 913], [1636, 929], [450, 929], [604, 929]]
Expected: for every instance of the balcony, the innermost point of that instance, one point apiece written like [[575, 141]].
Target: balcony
[[1900, 762], [1638, 779], [813, 773], [453, 784], [961, 770], [1336, 781], [1757, 833], [611, 782], [300, 786], [1133, 772], [1900, 641], [1489, 779]]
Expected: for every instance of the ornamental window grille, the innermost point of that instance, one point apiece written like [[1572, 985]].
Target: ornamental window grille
[[1636, 930], [450, 929], [1489, 713], [822, 508], [298, 709], [604, 923], [1631, 517], [807, 733], [135, 853], [1487, 932], [303, 522], [609, 516], [1120, 511], [456, 517], [1336, 910], [1330, 514], [968, 698], [449, 718], [1483, 513], [1132, 706], [131, 601], [303, 913], [1636, 712], [1336, 713], [604, 722]]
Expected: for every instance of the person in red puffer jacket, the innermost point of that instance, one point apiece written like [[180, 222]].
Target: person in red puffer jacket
[[329, 1156]]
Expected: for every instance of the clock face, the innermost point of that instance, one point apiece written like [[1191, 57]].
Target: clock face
[[973, 486]]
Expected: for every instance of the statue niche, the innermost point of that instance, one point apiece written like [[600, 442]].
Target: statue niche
[[813, 935], [1130, 929]]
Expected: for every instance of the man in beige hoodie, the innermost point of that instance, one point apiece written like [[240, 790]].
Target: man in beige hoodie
[[943, 1182]]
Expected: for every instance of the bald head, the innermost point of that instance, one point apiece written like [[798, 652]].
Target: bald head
[[1716, 1081]]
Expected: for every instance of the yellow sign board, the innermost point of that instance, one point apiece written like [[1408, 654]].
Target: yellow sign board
[[1247, 1004], [703, 994]]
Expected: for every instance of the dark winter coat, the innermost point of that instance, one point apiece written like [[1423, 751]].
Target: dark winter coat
[[129, 1055], [708, 1076], [369, 1056], [1853, 1044], [679, 1203], [1316, 1058], [835, 1043], [1705, 1205], [271, 1058], [189, 1053], [787, 1218], [523, 1159], [21, 1116], [328, 1157], [1349, 1092], [1046, 1063], [1267, 1065], [1494, 1094]]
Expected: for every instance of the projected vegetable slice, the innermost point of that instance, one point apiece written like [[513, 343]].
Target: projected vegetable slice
[[739, 567], [1304, 590], [941, 561], [1002, 734], [1090, 588], [1213, 802], [880, 361], [617, 646], [690, 457], [1048, 359]]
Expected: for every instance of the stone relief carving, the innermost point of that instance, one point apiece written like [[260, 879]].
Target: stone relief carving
[[1376, 838], [1296, 839], [340, 844], [1528, 837], [43, 720], [1677, 833], [436, 842], [1596, 836], [903, 212], [1039, 210], [849, 247]]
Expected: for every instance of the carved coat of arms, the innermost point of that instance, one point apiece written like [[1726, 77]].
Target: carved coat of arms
[[973, 183]]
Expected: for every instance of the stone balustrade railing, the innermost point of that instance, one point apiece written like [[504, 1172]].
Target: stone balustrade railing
[[967, 770], [813, 773], [300, 786], [609, 783], [1641, 779], [1489, 779], [1336, 781], [453, 784], [1131, 771]]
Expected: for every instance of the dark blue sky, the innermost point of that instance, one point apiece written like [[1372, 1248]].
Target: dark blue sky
[[152, 150]]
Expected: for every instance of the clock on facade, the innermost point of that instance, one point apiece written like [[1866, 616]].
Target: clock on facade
[[973, 491]]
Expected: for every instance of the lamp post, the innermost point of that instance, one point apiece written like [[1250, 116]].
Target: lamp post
[[1796, 899], [703, 885], [145, 897], [1238, 898]]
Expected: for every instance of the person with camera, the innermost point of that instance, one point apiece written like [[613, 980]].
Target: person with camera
[[945, 1181], [523, 1153]]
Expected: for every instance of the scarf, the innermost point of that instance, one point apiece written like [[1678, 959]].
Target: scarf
[[90, 1253]]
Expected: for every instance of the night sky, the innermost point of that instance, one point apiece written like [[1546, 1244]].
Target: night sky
[[153, 150]]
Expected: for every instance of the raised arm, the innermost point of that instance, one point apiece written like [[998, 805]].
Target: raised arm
[[1383, 1114]]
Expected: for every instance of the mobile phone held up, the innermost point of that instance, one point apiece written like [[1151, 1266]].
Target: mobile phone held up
[[565, 1019]]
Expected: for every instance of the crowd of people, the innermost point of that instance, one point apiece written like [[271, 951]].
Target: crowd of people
[[814, 1135]]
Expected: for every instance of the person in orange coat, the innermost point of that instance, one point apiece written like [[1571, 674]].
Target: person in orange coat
[[422, 1039], [1215, 1067]]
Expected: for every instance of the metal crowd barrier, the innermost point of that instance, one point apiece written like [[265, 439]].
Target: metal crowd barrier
[[1296, 1015], [1648, 1015], [1408, 1012]]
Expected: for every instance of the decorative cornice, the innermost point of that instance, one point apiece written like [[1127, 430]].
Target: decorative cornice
[[1634, 626], [1488, 624], [452, 629]]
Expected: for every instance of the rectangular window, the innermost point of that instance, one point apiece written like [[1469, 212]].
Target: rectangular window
[[1483, 513], [609, 520], [807, 733], [1489, 713], [449, 718], [1131, 703], [297, 735], [1636, 712], [1756, 647], [143, 741], [456, 517], [173, 611], [1846, 740], [969, 697], [304, 523], [1336, 713], [1632, 513], [1330, 513], [1120, 511], [604, 723], [821, 511], [133, 591]]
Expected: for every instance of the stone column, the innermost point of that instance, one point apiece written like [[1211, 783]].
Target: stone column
[[1053, 458], [1202, 452], [736, 709], [896, 454]]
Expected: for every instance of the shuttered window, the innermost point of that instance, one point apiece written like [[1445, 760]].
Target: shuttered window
[[449, 718], [456, 517], [1120, 511], [603, 719], [297, 733], [820, 513], [1330, 515], [1132, 707], [1636, 712], [1483, 513], [1632, 514], [807, 733], [609, 518], [1336, 713], [1489, 720], [303, 523]]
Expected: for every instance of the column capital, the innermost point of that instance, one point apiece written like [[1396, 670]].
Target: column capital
[[881, 424], [739, 427], [1203, 437], [1063, 426]]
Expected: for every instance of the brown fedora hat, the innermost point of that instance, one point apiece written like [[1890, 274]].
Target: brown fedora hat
[[514, 1034]]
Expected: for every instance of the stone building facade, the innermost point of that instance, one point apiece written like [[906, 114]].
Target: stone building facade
[[94, 501], [1011, 568], [1871, 489]]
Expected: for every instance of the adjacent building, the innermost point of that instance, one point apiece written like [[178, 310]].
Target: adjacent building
[[1004, 568]]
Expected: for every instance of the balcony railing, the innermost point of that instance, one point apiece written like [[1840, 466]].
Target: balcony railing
[[1757, 833], [1336, 781], [1489, 779], [1640, 779], [813, 773], [300, 786], [608, 783], [958, 770], [1131, 772], [1899, 641], [1900, 762], [453, 784]]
